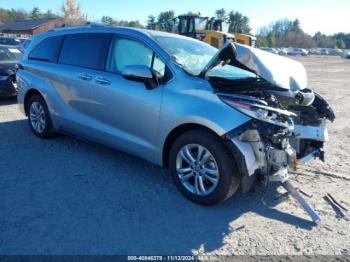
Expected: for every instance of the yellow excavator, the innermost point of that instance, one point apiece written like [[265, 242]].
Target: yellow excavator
[[209, 30]]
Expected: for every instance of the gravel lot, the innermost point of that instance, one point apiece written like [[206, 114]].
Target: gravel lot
[[63, 196]]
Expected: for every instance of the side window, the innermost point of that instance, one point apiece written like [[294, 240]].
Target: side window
[[47, 50], [183, 26], [87, 50], [126, 52], [158, 67], [191, 26]]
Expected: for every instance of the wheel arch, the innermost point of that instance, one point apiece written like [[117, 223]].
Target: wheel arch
[[30, 93], [175, 133]]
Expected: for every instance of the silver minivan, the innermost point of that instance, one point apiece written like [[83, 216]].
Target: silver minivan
[[217, 118]]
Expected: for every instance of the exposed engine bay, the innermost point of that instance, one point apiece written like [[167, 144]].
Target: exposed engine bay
[[287, 128], [288, 120]]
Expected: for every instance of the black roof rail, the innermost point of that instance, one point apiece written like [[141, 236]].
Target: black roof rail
[[87, 24]]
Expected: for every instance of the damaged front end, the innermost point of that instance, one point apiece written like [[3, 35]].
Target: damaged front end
[[276, 141], [278, 138], [288, 120]]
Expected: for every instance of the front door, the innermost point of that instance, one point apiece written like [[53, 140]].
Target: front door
[[126, 111]]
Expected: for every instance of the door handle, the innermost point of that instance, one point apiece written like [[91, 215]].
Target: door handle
[[102, 80], [85, 76]]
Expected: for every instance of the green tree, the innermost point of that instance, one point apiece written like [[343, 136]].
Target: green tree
[[18, 14], [109, 21], [271, 40], [151, 22], [122, 23], [261, 41], [239, 23], [281, 26], [323, 40], [342, 40], [285, 33], [10, 15], [295, 26], [135, 23], [341, 44], [166, 20], [49, 14], [220, 14], [35, 13]]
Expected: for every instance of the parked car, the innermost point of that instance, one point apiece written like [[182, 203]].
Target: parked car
[[297, 51], [335, 51], [9, 41], [9, 57], [270, 49], [282, 51], [277, 51], [216, 118], [346, 54], [313, 51], [323, 51], [319, 51]]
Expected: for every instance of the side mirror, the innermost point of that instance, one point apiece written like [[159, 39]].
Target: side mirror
[[140, 73]]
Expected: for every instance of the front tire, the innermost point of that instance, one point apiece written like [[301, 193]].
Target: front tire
[[39, 117], [202, 168]]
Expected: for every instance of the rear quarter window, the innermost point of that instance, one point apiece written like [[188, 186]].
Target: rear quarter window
[[87, 50], [47, 50]]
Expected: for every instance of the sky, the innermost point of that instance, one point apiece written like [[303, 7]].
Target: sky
[[327, 16]]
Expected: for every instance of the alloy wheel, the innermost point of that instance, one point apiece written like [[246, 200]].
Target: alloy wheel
[[37, 117], [197, 169]]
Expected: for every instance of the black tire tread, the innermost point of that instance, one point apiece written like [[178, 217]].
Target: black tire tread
[[48, 131], [227, 167]]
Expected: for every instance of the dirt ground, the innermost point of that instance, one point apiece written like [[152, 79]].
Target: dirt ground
[[64, 196]]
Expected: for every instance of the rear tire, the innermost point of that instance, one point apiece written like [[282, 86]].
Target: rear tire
[[209, 154], [39, 119]]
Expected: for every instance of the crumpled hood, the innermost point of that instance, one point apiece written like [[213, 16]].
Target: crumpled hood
[[277, 70]]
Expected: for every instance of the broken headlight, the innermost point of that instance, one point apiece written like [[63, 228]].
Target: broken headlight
[[259, 109]]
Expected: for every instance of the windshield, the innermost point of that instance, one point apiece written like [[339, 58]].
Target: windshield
[[201, 23], [9, 54], [191, 54], [194, 55]]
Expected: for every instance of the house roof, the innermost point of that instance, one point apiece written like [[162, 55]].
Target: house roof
[[23, 25]]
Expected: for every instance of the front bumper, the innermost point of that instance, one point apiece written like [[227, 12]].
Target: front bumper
[[258, 157], [273, 160]]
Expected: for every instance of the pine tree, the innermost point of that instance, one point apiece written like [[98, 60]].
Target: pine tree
[[35, 13]]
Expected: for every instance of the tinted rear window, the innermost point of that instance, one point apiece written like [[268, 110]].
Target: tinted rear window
[[85, 50], [47, 50]]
